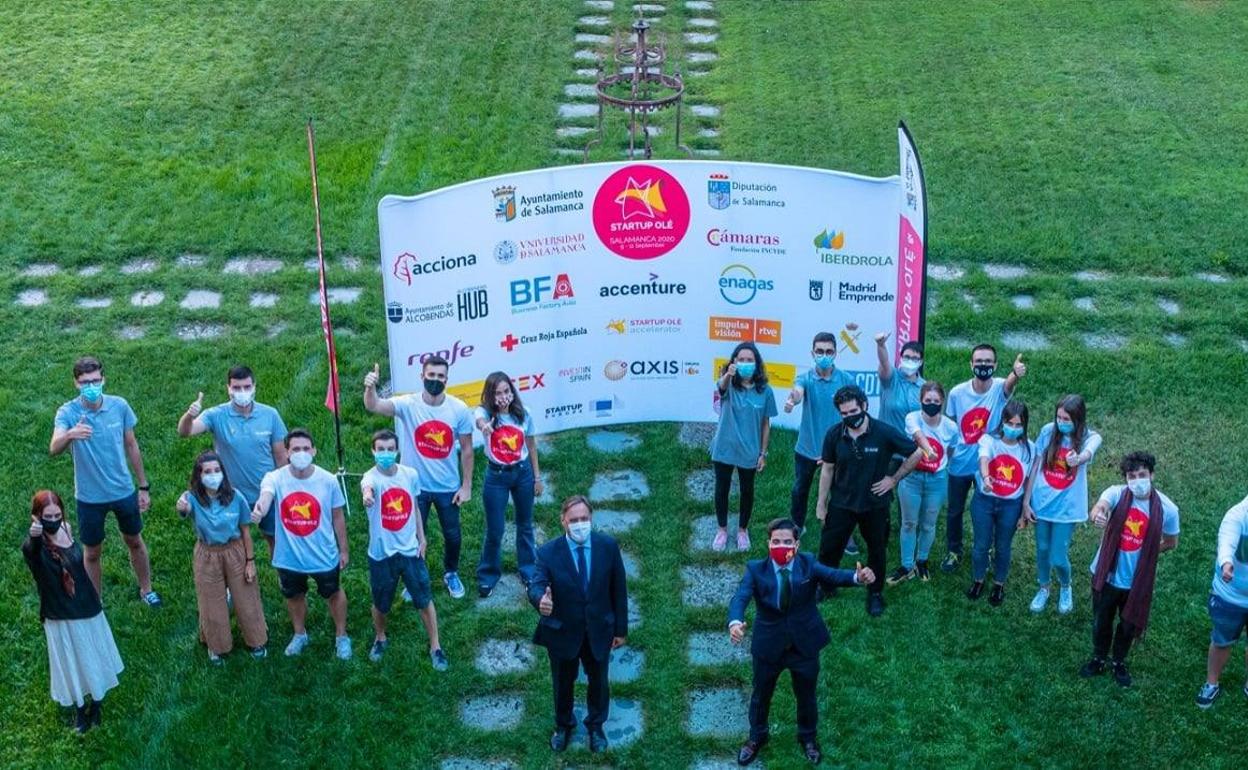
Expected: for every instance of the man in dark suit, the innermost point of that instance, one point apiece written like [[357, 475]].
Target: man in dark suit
[[790, 631], [579, 589]]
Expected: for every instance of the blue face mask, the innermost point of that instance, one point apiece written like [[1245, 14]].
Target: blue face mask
[[1011, 432], [824, 362], [385, 459], [1065, 428], [746, 370], [93, 392]]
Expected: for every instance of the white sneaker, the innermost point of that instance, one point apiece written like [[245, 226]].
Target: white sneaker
[[1065, 600], [342, 647], [1041, 599], [297, 643]]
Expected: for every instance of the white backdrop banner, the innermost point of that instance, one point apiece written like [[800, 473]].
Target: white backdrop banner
[[614, 292]]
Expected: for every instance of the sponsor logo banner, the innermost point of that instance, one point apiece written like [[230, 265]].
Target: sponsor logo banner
[[729, 329]]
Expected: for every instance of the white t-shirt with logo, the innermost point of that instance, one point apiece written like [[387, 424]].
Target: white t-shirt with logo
[[506, 445], [941, 437], [429, 439], [304, 509], [975, 415], [392, 517], [1008, 466], [1134, 532]]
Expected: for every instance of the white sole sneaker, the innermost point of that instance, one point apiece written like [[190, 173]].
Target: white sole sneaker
[[1040, 600], [1066, 601]]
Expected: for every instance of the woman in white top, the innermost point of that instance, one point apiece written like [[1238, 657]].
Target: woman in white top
[[922, 494], [1005, 458]]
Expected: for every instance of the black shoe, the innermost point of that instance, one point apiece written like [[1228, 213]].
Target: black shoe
[[484, 591], [875, 604], [93, 712], [921, 568], [901, 575], [559, 739], [82, 719], [749, 751], [812, 752], [997, 595], [1094, 667], [976, 590], [1121, 675], [951, 562], [597, 741]]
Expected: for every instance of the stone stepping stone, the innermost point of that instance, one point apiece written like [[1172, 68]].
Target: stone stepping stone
[[1176, 340], [626, 666], [90, 270], [1004, 272], [696, 73], [277, 329], [1025, 341], [139, 267], [708, 133], [701, 57], [501, 657], [615, 522], [41, 270], [492, 713], [94, 303], [702, 23], [714, 648], [945, 272], [706, 763], [587, 37], [704, 110], [570, 111], [649, 7], [337, 296], [508, 594], [32, 298], [587, 73], [600, 5], [1085, 303], [696, 435], [350, 264], [634, 614], [1168, 306], [1100, 341], [580, 91], [467, 763], [147, 298], [619, 485], [623, 727], [970, 300], [612, 441], [132, 332], [701, 38], [1023, 301], [594, 21], [1213, 277], [1091, 275], [191, 260], [201, 299], [262, 299], [700, 5], [252, 266], [632, 569], [568, 132], [709, 586], [509, 536], [700, 486], [585, 55], [718, 713], [197, 331]]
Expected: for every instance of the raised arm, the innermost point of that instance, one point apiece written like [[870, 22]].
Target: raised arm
[[1017, 372], [881, 353], [190, 423], [382, 406]]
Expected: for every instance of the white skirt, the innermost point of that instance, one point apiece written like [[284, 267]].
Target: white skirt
[[83, 659]]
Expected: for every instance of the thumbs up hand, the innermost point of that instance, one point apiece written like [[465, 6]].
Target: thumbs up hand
[[547, 604], [1020, 368], [196, 406], [372, 378], [864, 575], [81, 431]]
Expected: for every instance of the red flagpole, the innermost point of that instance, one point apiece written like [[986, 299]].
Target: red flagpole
[[331, 390]]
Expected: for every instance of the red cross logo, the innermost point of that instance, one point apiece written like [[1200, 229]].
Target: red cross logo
[[509, 342]]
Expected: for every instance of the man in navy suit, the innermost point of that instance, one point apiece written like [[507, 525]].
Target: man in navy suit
[[579, 589], [790, 631]]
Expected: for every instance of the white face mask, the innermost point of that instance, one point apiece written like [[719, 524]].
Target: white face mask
[[243, 398], [213, 480], [579, 531], [909, 366], [1140, 487], [300, 460]]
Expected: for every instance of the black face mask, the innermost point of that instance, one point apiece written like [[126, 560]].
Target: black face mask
[[434, 387], [984, 371], [854, 421], [50, 526], [931, 410]]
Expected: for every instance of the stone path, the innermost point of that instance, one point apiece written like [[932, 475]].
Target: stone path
[[718, 713], [508, 594], [626, 666], [704, 529], [709, 586], [492, 713], [501, 657], [714, 648], [700, 486], [696, 435], [612, 441], [619, 485]]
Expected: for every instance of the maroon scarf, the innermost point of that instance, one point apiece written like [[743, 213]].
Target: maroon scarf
[[1140, 597]]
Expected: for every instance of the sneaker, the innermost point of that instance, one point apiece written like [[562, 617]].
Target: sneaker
[[260, 653], [997, 596], [901, 575], [378, 649], [453, 585], [440, 663], [1065, 600], [484, 591], [1094, 667], [152, 599], [342, 647], [950, 562], [1121, 675], [214, 658], [1040, 600], [976, 590], [743, 540], [875, 604], [721, 540], [851, 548], [297, 644], [1207, 695], [921, 568]]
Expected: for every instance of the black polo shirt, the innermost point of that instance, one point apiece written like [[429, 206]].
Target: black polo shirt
[[857, 463]]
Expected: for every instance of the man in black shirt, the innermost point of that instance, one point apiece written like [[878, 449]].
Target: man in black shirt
[[855, 489]]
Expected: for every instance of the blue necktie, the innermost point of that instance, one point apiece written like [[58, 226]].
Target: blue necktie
[[583, 567]]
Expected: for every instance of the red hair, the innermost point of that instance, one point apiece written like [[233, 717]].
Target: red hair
[[38, 501], [42, 499]]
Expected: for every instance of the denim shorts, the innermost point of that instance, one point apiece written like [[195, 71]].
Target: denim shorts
[[91, 518], [384, 575], [1229, 621]]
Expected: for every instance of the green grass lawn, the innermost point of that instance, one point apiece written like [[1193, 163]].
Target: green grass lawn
[[1056, 136]]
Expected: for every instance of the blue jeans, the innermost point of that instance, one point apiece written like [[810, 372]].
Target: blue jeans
[[515, 480], [959, 487], [448, 519], [1053, 551], [920, 496], [995, 520]]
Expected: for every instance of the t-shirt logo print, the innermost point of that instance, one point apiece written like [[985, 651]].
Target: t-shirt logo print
[[396, 508], [1006, 474], [974, 423], [1059, 475], [938, 454], [505, 443], [301, 514], [433, 439], [1133, 530]]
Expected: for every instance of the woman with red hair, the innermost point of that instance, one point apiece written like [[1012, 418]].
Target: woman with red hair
[[82, 656]]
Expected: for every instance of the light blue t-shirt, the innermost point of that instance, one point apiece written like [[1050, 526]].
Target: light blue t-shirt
[[899, 396], [101, 472], [217, 524], [1233, 547], [975, 414], [819, 414], [1059, 494], [1134, 532], [739, 436], [507, 445], [245, 442]]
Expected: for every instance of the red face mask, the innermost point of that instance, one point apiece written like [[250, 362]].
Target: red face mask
[[783, 554]]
